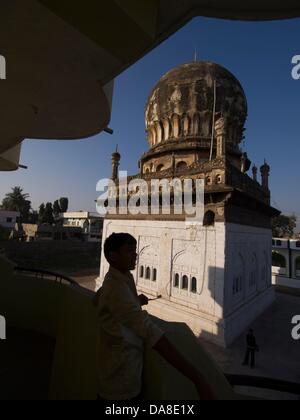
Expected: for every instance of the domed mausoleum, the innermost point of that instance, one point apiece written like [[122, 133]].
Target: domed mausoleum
[[215, 276], [180, 114]]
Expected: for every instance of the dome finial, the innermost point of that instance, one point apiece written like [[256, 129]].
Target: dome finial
[[196, 55]]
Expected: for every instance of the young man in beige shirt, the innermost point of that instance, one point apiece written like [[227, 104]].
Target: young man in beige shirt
[[124, 328]]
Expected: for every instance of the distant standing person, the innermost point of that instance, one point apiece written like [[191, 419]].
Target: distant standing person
[[252, 348]]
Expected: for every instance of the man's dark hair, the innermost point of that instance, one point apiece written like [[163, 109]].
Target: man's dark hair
[[115, 242]]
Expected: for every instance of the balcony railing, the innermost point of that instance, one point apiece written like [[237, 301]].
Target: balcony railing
[[264, 383], [58, 278]]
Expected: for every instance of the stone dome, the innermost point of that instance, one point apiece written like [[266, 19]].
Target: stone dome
[[181, 105]]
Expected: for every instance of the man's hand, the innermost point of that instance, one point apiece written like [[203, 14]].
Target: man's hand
[[143, 300]]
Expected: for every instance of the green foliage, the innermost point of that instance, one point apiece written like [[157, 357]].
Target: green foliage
[[284, 226], [41, 218], [64, 204], [16, 200], [56, 209], [48, 215]]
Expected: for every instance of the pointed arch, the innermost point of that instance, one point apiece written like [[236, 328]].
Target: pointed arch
[[181, 165]]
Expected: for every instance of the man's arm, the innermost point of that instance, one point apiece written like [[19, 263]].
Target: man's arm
[[169, 352], [127, 311]]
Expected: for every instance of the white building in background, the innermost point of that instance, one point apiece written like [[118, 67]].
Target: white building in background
[[216, 276], [286, 262], [90, 223], [8, 219]]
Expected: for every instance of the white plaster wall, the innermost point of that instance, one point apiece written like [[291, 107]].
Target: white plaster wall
[[173, 247], [213, 256], [4, 215], [249, 254], [286, 282]]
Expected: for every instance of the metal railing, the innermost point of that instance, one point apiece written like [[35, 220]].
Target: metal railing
[[58, 278]]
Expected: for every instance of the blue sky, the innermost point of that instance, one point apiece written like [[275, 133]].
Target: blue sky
[[258, 54]]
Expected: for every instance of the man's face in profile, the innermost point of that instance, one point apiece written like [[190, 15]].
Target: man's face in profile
[[126, 258]]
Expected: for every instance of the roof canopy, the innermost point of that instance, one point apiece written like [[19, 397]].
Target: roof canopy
[[62, 56]]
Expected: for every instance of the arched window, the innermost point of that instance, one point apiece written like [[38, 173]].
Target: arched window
[[238, 280], [209, 218], [237, 285], [185, 283], [176, 281], [160, 168], [253, 275], [148, 273], [278, 260], [142, 272], [194, 285], [208, 180], [154, 276], [181, 166]]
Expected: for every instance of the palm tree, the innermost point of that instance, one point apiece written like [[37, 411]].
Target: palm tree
[[17, 201]]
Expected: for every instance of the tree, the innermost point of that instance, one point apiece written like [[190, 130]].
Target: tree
[[42, 214], [33, 217], [56, 209], [17, 201], [284, 226], [48, 215], [63, 204]]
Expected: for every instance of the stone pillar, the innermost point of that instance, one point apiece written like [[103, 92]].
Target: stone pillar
[[220, 131]]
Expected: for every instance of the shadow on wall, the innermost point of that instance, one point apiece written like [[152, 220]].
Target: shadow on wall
[[215, 331]]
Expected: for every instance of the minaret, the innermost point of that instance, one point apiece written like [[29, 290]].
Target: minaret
[[220, 129], [255, 171], [244, 163], [116, 157], [265, 174]]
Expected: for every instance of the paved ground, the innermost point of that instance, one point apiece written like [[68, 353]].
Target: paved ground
[[86, 280], [279, 355]]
